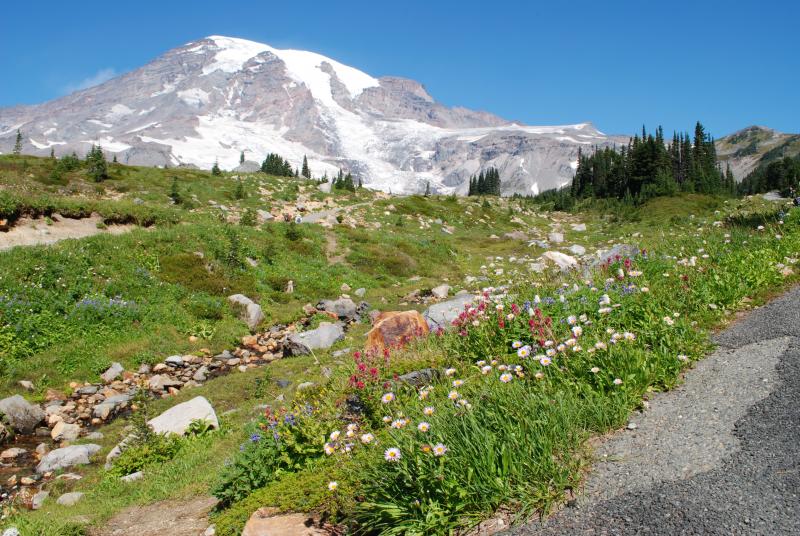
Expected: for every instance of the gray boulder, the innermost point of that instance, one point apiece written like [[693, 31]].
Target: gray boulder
[[555, 238], [248, 166], [419, 378], [200, 374], [160, 382], [174, 361], [441, 315], [88, 390], [344, 308], [67, 457], [20, 414], [620, 250], [576, 249], [325, 336], [110, 406], [113, 372], [249, 311], [579, 227], [176, 420]]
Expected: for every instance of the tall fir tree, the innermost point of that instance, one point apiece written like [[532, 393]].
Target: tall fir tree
[[18, 143], [306, 172], [96, 165]]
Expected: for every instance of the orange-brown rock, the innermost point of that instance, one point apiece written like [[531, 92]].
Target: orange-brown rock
[[394, 329]]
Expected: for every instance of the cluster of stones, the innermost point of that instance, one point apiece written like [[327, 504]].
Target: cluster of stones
[[62, 419]]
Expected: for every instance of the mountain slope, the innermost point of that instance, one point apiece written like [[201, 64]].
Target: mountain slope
[[750, 147], [214, 98]]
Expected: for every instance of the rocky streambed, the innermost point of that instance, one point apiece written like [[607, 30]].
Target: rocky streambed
[[32, 432]]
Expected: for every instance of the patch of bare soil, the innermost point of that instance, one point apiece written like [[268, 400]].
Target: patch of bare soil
[[173, 518], [331, 245], [37, 231]]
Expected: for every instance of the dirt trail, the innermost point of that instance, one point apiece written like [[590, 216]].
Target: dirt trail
[[322, 215], [331, 245], [36, 231], [173, 518]]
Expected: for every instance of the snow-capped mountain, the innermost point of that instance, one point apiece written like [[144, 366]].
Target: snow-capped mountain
[[211, 99]]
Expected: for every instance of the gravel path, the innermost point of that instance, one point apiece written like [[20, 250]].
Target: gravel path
[[719, 455]]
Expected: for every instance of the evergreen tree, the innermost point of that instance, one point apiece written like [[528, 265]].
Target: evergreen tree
[[241, 158], [215, 170], [174, 193], [428, 189], [239, 191], [114, 160], [52, 153], [306, 172], [96, 166], [18, 143], [274, 164]]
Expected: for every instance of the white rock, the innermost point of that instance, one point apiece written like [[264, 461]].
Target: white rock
[[63, 431], [316, 339], [555, 238], [25, 384], [176, 420], [250, 311], [38, 500], [138, 475], [576, 249], [69, 499], [562, 260], [112, 373], [441, 292], [12, 453], [67, 457]]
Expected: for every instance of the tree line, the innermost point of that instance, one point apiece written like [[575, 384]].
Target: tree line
[[648, 167], [782, 175], [485, 183]]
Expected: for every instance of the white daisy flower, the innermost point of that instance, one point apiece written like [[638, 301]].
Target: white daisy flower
[[392, 454]]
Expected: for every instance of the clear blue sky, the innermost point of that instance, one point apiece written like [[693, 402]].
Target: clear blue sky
[[618, 64]]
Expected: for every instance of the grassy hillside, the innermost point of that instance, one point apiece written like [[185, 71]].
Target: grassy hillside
[[516, 442]]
